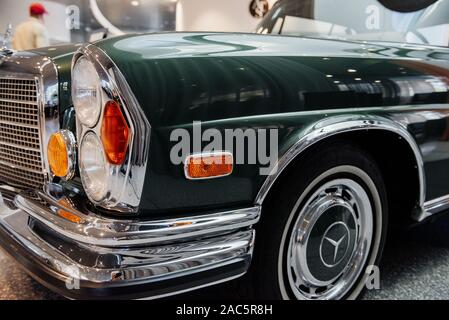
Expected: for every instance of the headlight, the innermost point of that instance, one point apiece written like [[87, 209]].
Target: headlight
[[86, 92], [112, 133], [93, 167]]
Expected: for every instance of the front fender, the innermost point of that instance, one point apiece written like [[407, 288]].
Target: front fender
[[323, 129]]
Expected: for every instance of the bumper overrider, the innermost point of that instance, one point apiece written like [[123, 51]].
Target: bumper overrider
[[79, 253]]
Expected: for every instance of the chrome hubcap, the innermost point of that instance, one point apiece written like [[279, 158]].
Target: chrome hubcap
[[330, 241]]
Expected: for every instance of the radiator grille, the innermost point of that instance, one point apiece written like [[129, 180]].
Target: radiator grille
[[20, 147]]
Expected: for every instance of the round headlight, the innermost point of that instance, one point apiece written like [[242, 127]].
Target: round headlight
[[93, 167], [86, 92]]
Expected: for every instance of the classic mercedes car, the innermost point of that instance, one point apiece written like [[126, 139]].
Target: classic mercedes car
[[105, 197]]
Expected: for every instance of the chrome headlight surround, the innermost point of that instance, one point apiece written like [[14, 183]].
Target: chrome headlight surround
[[124, 184]]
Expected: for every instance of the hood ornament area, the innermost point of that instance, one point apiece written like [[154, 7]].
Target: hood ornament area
[[4, 50]]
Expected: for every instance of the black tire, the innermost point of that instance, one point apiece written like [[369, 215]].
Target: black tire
[[266, 278]]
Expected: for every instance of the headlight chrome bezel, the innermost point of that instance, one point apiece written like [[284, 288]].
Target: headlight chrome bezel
[[125, 181]]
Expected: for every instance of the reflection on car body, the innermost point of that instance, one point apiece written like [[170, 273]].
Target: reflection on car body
[[360, 108]]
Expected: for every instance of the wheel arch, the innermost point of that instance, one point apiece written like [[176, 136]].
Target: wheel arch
[[359, 129]]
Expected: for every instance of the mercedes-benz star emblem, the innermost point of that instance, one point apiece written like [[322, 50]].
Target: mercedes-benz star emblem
[[334, 244]]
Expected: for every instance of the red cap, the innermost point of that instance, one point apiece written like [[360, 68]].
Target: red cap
[[37, 9]]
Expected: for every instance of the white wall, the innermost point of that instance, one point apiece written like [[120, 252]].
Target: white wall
[[15, 12], [215, 15]]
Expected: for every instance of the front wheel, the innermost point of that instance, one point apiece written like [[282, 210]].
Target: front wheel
[[322, 228]]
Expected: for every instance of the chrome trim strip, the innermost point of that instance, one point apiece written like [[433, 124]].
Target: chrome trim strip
[[433, 207], [436, 203], [96, 230], [48, 97], [342, 124]]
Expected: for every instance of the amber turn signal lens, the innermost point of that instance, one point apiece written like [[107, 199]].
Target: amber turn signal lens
[[58, 158], [209, 166], [66, 214], [114, 133]]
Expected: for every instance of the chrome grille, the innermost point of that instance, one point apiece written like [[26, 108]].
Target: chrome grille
[[20, 147]]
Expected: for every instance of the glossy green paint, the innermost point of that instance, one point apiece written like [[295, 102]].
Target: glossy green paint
[[230, 81], [178, 78]]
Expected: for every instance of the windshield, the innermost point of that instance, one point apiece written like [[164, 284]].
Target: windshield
[[417, 21]]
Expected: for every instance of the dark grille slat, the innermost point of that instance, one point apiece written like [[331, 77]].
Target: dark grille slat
[[20, 145]]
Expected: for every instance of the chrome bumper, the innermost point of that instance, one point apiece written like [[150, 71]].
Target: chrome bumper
[[81, 254]]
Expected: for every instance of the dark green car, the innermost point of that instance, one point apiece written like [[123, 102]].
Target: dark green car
[[149, 165]]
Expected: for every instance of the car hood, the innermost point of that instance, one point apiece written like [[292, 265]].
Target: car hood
[[182, 77], [187, 45]]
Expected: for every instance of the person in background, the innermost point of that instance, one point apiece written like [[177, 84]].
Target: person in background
[[32, 34]]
